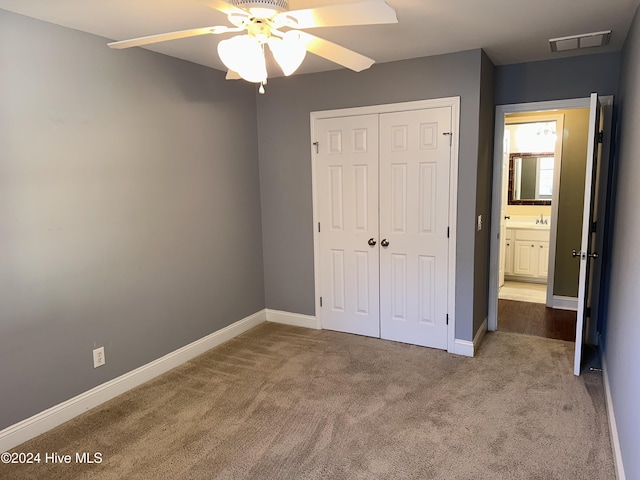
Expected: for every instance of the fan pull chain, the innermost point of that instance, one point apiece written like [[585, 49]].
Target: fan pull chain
[[261, 89]]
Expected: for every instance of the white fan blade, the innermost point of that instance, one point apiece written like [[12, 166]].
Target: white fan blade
[[334, 52], [367, 12], [231, 75], [163, 37]]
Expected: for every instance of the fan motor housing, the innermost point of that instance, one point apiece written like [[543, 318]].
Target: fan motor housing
[[277, 5]]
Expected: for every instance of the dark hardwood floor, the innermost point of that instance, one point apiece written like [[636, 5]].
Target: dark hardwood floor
[[536, 319]]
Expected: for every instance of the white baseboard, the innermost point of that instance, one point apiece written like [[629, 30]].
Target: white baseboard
[[463, 347], [295, 319], [480, 334], [29, 428], [565, 303], [525, 279], [467, 348], [613, 428]]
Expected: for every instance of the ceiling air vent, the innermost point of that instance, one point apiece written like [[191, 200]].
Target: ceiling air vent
[[585, 40]]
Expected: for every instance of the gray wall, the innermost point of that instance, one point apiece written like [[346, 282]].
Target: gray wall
[[623, 320], [285, 164], [483, 193], [560, 79], [129, 210]]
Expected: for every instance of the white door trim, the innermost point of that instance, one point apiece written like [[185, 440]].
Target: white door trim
[[494, 252], [454, 103], [594, 154]]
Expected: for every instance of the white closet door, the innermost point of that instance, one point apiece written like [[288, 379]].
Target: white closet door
[[347, 181], [414, 211]]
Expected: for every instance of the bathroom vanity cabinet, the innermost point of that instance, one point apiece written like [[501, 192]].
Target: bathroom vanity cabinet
[[527, 254]]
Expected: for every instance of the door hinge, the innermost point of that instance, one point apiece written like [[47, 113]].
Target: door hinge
[[447, 319], [600, 137], [318, 227], [587, 312], [448, 228], [450, 137], [594, 227], [320, 301], [317, 145]]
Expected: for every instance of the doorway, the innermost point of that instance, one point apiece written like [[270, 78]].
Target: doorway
[[562, 279], [532, 162], [519, 237], [534, 144], [589, 214]]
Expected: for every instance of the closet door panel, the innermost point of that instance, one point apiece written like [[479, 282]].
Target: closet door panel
[[414, 211], [347, 181]]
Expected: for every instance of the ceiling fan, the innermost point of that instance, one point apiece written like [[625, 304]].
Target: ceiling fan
[[270, 22]]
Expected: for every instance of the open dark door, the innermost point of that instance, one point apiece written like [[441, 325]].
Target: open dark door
[[586, 253]]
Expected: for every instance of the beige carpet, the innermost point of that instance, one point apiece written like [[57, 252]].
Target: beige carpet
[[283, 402]]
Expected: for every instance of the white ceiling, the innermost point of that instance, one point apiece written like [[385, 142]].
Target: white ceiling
[[510, 31]]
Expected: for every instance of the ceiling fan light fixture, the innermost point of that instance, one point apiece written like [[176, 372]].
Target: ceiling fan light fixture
[[243, 54], [256, 6], [263, 12], [288, 51]]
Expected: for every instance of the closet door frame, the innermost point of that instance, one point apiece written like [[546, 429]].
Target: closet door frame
[[454, 104]]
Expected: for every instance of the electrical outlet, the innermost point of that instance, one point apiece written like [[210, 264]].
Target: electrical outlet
[[98, 357]]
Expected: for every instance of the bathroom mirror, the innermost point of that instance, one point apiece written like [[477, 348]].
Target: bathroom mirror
[[531, 178]]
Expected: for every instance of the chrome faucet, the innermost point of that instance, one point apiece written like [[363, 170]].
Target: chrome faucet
[[542, 220]]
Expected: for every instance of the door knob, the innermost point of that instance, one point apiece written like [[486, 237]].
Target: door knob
[[593, 255], [384, 242], [371, 242], [574, 253]]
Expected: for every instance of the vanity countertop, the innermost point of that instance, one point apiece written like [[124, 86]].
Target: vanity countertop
[[528, 222], [527, 225]]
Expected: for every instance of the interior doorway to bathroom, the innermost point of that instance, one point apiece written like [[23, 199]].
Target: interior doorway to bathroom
[[531, 171], [532, 163], [543, 174], [580, 223]]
